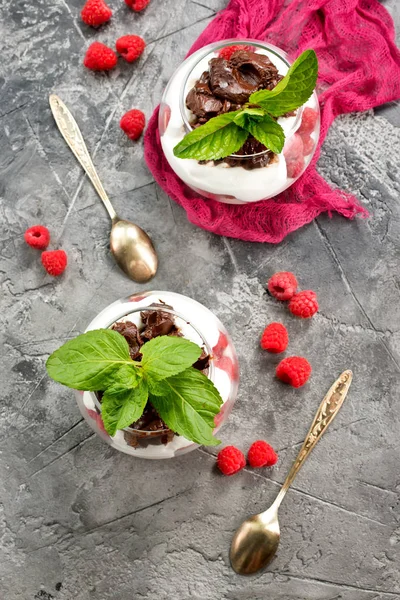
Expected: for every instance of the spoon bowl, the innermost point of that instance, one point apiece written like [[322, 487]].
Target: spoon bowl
[[133, 250], [255, 542]]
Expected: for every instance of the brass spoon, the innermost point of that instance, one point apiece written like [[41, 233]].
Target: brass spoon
[[131, 247], [257, 539]]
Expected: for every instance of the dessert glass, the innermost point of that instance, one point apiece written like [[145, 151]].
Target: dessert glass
[[198, 324], [233, 185]]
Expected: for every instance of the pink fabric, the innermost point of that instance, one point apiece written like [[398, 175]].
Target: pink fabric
[[359, 68]]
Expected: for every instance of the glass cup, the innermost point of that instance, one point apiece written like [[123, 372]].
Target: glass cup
[[225, 182], [196, 323]]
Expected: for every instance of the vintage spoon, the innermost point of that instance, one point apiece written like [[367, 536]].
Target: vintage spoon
[[131, 247], [256, 541]]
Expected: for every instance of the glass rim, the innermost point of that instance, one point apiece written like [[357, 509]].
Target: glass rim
[[214, 47], [179, 316]]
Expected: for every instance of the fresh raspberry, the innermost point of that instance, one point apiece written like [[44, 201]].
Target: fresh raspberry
[[100, 57], [308, 144], [261, 454], [130, 47], [54, 262], [275, 338], [230, 460], [37, 236], [132, 123], [282, 285], [229, 50], [293, 149], [221, 345], [294, 370], [95, 13], [304, 304], [295, 167], [137, 5], [308, 120]]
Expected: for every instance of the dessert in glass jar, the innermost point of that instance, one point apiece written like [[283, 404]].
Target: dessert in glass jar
[[243, 92], [143, 321]]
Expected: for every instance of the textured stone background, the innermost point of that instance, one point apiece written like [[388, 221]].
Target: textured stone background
[[80, 521]]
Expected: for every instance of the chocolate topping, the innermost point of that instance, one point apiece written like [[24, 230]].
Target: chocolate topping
[[157, 322], [131, 334], [225, 87]]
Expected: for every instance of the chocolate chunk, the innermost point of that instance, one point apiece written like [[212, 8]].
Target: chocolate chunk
[[256, 69], [227, 82], [131, 334], [203, 362], [157, 322], [250, 148]]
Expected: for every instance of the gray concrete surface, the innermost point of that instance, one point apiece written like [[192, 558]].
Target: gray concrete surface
[[80, 521]]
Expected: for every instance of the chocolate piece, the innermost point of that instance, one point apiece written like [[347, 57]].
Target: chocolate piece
[[157, 322], [227, 82], [249, 148], [131, 334], [255, 68], [201, 101], [203, 362]]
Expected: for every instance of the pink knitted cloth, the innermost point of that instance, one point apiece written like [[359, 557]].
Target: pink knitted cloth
[[359, 68]]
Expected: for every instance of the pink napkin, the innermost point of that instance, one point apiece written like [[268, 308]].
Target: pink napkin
[[359, 68]]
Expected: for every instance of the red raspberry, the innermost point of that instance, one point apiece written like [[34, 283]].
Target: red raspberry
[[220, 346], [275, 338], [308, 120], [308, 144], [230, 460], [137, 5], [293, 149], [95, 13], [37, 237], [304, 304], [282, 285], [229, 50], [132, 123], [130, 47], [295, 167], [54, 262], [100, 57], [261, 454], [294, 370]]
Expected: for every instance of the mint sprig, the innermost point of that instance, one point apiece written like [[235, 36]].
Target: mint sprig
[[99, 361], [225, 134]]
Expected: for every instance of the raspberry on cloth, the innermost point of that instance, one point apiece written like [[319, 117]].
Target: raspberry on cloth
[[363, 39]]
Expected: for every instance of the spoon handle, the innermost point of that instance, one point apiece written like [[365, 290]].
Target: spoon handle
[[326, 412], [72, 135]]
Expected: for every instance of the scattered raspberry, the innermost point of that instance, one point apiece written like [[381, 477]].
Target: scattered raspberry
[[95, 13], [293, 149], [294, 370], [275, 338], [295, 167], [137, 5], [261, 454], [130, 47], [282, 285], [308, 120], [229, 50], [220, 346], [308, 144], [304, 304], [37, 237], [132, 123], [230, 460], [54, 262], [100, 57]]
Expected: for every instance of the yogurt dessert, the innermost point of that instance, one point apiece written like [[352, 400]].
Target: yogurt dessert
[[220, 81], [141, 320]]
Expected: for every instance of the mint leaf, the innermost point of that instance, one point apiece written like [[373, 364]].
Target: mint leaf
[[293, 90], [121, 406], [217, 138], [188, 403], [91, 360], [243, 115], [267, 131], [165, 356]]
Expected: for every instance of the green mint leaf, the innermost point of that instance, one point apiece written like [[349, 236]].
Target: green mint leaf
[[293, 90], [121, 406], [267, 131], [243, 115], [165, 356], [188, 403], [217, 138], [90, 361]]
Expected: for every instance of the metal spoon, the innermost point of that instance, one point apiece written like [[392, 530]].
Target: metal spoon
[[131, 247], [256, 541]]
